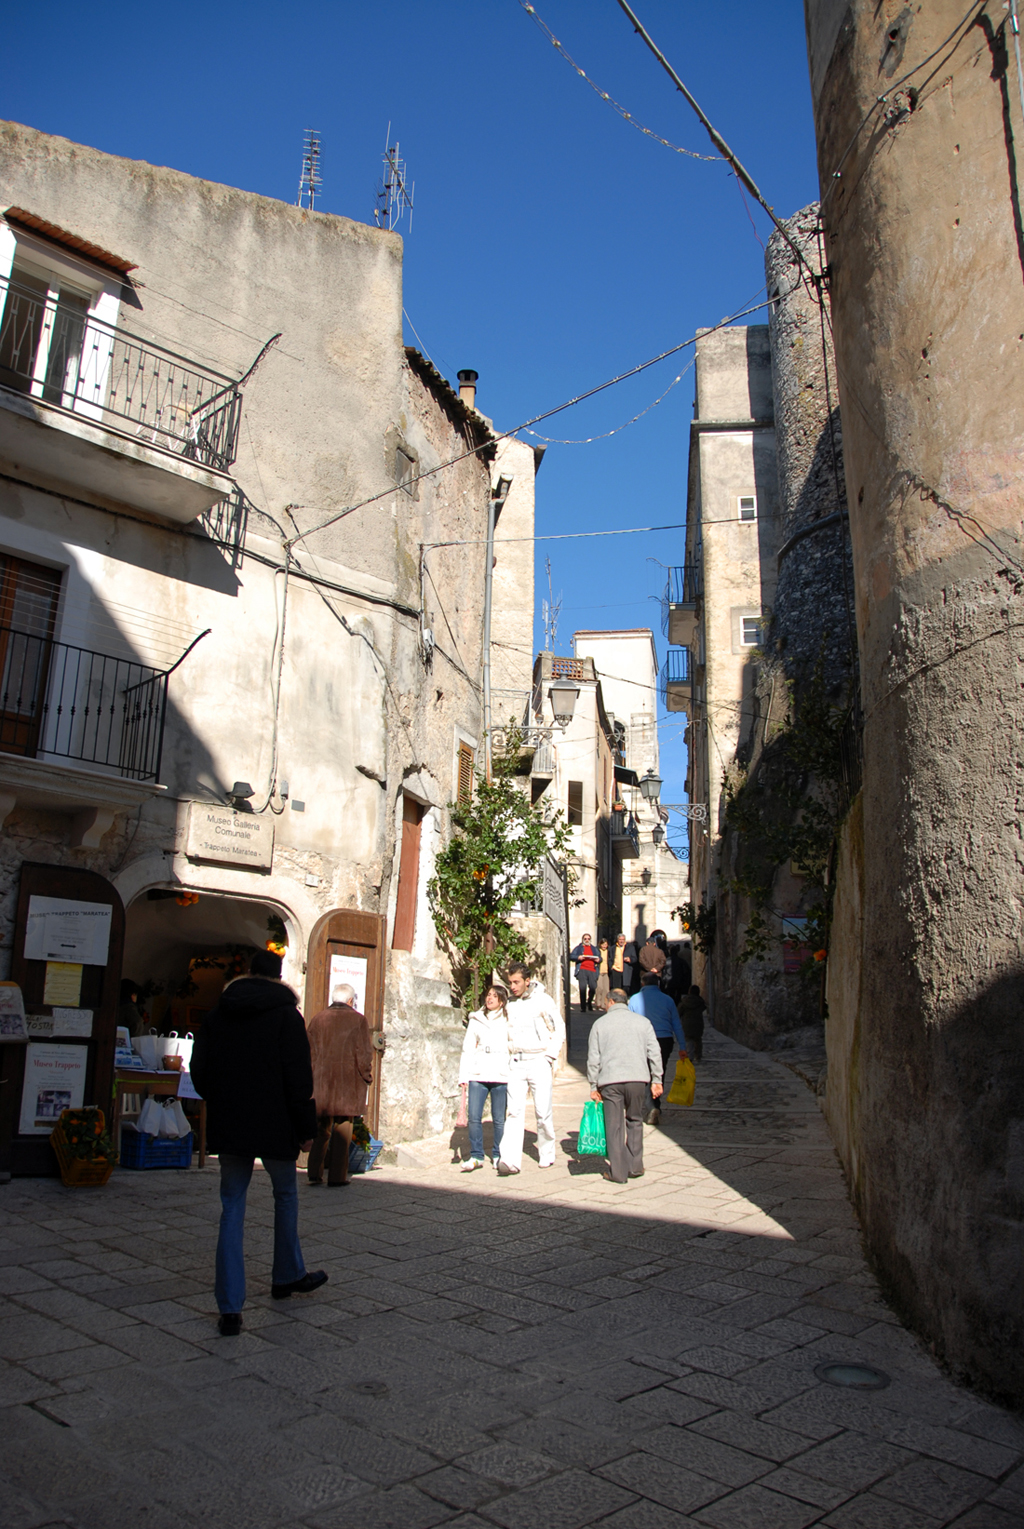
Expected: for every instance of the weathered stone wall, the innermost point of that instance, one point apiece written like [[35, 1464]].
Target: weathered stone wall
[[920, 206], [809, 625]]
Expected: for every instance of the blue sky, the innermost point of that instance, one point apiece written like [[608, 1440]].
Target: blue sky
[[552, 244]]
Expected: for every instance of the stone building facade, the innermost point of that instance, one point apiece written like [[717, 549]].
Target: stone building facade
[[919, 134], [260, 545]]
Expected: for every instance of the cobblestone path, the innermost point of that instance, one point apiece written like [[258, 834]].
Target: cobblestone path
[[545, 1352]]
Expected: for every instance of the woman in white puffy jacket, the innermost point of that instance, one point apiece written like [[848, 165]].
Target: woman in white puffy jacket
[[484, 1066]]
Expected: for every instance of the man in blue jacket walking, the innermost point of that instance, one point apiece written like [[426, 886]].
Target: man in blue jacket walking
[[663, 1015]]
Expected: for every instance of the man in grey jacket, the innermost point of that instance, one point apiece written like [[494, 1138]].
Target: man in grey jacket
[[623, 1059]]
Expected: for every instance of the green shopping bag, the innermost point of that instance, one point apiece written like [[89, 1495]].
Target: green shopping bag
[[592, 1138]]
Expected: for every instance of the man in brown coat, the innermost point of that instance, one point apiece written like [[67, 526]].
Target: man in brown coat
[[339, 1042]]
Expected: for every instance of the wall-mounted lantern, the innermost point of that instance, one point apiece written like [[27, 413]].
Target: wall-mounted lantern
[[650, 786], [563, 695], [658, 834]]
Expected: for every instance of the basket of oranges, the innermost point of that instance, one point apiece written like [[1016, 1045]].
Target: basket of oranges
[[83, 1146]]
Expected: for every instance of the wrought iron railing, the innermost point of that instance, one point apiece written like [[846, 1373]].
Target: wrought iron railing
[[64, 702], [55, 350], [685, 587], [676, 668], [623, 827]]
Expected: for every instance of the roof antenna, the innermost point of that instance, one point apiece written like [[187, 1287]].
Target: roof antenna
[[310, 182], [550, 614], [394, 192]]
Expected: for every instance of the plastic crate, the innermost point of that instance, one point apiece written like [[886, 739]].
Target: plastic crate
[[78, 1172], [141, 1151], [362, 1159]]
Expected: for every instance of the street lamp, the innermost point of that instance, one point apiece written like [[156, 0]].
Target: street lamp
[[658, 834], [650, 786], [563, 695]]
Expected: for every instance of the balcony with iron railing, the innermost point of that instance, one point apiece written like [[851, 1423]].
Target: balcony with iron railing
[[677, 680], [625, 835], [76, 393], [680, 604], [59, 702]]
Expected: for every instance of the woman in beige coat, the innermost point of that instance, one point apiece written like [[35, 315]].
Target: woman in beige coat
[[339, 1043]]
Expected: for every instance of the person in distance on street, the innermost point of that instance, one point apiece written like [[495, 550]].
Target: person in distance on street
[[251, 1064], [484, 1067], [586, 958], [603, 980], [536, 1032], [658, 1007], [623, 1060], [691, 1013], [342, 1056]]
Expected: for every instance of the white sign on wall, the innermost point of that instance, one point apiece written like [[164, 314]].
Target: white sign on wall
[[232, 838], [351, 969], [61, 930]]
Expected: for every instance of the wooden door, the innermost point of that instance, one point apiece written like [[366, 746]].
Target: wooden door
[[32, 1156], [359, 938]]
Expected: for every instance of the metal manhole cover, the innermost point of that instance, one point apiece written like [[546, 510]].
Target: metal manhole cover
[[370, 1388], [856, 1377]]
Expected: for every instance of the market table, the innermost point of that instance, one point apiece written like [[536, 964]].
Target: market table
[[131, 1080]]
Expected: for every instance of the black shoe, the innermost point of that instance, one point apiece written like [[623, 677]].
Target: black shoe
[[230, 1324], [304, 1286], [638, 1175]]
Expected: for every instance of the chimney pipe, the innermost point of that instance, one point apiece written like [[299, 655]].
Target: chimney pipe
[[467, 388]]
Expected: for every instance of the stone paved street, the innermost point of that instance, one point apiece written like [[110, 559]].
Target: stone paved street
[[545, 1352]]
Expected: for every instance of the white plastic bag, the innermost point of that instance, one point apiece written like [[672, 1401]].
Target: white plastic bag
[[168, 1124], [150, 1049], [181, 1120], [180, 1045], [151, 1118]]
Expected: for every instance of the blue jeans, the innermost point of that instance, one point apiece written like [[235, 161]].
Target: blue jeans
[[477, 1095], [235, 1173]]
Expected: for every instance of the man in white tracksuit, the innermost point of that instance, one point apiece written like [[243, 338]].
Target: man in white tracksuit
[[536, 1033]]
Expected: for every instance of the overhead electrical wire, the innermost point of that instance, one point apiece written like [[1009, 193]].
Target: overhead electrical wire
[[623, 113], [505, 435], [712, 132], [588, 440]]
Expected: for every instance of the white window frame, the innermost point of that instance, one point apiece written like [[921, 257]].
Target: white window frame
[[743, 500], [103, 292], [756, 623]]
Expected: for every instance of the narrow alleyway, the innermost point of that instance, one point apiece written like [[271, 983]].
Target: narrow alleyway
[[546, 1352]]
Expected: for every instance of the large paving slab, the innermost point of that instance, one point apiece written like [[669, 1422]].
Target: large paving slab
[[545, 1352]]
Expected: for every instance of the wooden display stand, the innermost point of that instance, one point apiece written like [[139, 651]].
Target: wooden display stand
[[32, 1155], [160, 1085]]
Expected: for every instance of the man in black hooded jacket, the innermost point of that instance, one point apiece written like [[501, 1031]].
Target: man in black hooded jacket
[[251, 1064]]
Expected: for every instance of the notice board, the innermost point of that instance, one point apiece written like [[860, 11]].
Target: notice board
[[63, 912]]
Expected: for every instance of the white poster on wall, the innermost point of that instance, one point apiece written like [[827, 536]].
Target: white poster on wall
[[350, 969], [61, 930], [54, 1081]]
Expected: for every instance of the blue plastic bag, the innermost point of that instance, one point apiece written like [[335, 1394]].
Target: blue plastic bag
[[592, 1137]]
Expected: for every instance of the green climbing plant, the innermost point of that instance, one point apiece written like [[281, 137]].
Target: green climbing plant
[[490, 865]]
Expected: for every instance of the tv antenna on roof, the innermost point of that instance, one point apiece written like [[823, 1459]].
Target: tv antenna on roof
[[310, 182], [550, 612], [394, 191]]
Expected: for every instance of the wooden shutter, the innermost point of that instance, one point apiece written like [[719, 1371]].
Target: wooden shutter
[[408, 876], [465, 795]]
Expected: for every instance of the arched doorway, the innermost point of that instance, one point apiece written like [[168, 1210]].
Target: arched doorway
[[182, 946]]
